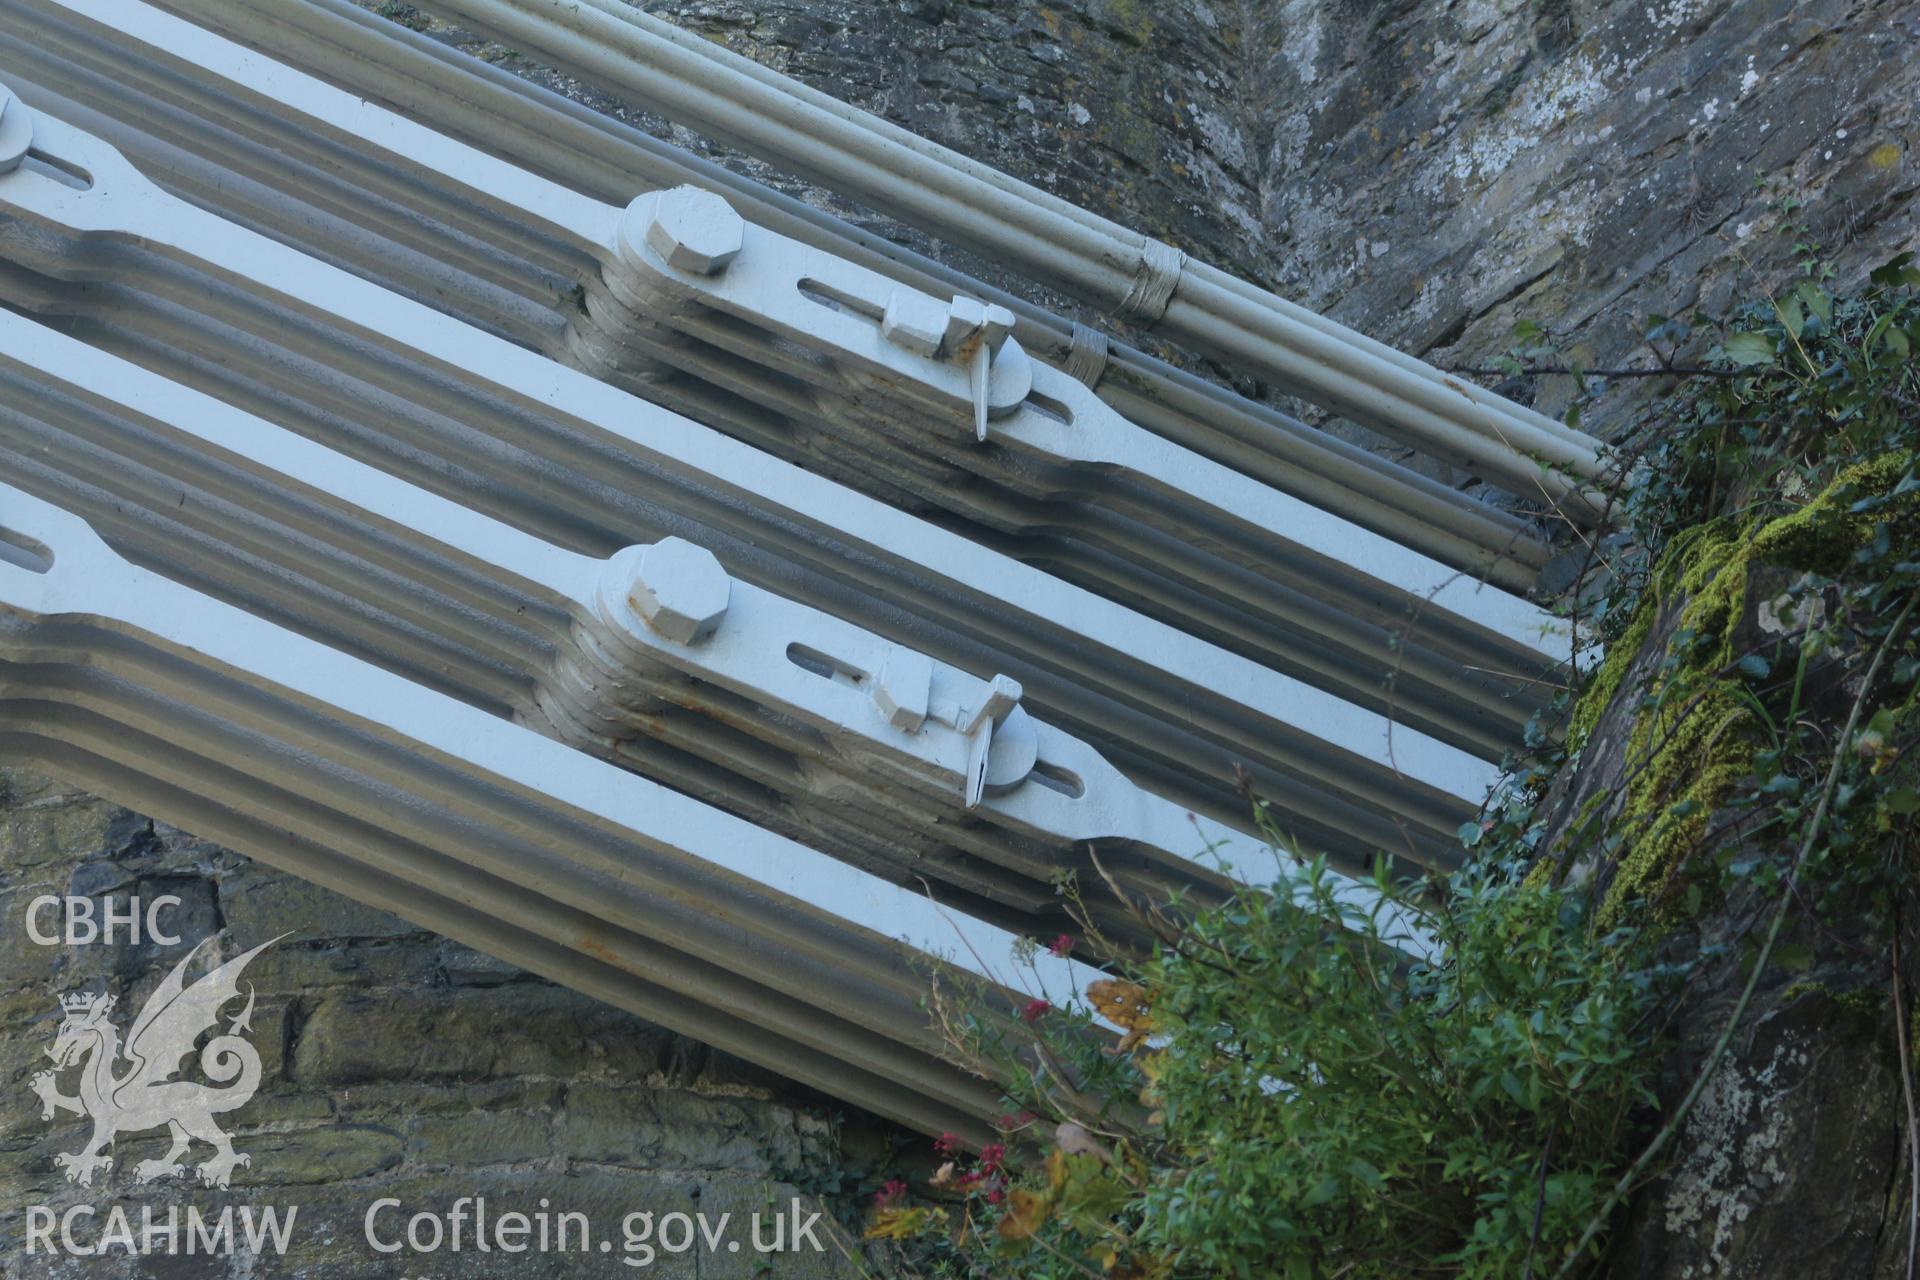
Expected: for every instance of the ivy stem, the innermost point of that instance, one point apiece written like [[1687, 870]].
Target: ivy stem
[[1667, 1131], [1539, 1208], [1542, 370]]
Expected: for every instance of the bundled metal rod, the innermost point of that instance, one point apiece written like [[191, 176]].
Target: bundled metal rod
[[310, 540], [101, 661], [1140, 690], [734, 100], [452, 92], [652, 655], [1333, 618], [899, 392]]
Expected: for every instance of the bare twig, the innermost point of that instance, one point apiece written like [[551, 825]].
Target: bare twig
[[1538, 370], [1539, 1207], [1913, 1121]]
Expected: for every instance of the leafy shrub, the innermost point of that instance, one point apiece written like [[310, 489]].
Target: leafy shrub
[[1316, 1103], [1802, 385]]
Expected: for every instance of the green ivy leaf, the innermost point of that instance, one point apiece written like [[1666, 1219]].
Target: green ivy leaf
[[1793, 316], [1746, 349], [1818, 302], [1796, 956], [1321, 1193], [1897, 272]]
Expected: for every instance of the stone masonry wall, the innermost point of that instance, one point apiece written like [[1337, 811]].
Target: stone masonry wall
[[395, 1064]]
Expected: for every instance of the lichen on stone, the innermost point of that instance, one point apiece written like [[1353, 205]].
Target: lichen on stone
[[1689, 752], [1610, 675], [1685, 773]]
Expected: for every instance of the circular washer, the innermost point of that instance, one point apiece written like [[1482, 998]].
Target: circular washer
[[16, 130], [1014, 751]]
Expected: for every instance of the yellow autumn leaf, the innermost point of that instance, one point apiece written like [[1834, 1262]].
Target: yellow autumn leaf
[[1124, 1004], [902, 1223], [1026, 1211]]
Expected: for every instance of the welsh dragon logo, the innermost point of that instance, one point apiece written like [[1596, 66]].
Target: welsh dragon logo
[[144, 1095]]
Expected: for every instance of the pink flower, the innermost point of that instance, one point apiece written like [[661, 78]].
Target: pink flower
[[995, 1196], [886, 1195], [992, 1155], [1062, 945], [947, 1144], [1035, 1010]]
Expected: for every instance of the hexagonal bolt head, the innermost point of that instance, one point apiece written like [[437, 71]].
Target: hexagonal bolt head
[[16, 130], [680, 590], [691, 228]]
